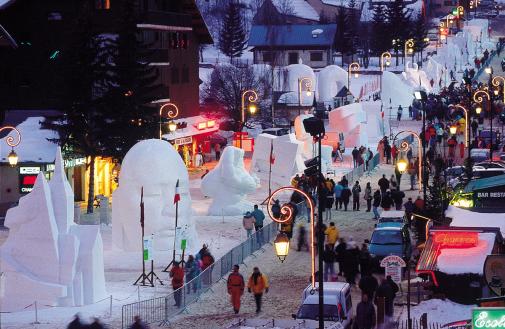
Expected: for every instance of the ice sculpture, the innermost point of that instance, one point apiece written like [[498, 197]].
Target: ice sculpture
[[46, 257], [156, 166], [228, 184]]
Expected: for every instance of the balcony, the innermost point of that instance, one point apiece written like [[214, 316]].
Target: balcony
[[166, 18]]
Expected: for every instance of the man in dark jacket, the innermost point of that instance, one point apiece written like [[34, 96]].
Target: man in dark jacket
[[388, 292], [383, 184], [398, 196], [339, 255], [387, 201], [409, 209], [355, 156], [368, 285], [365, 314], [329, 262], [356, 190], [76, 323]]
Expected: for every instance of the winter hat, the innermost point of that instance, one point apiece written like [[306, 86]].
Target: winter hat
[[351, 244]]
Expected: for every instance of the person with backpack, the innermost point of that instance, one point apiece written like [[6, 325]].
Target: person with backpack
[[248, 223], [257, 285], [235, 285]]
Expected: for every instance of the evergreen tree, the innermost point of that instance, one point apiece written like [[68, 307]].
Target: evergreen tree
[[436, 199], [381, 40], [352, 29], [232, 36], [82, 126], [419, 34], [131, 114], [341, 40], [398, 19]]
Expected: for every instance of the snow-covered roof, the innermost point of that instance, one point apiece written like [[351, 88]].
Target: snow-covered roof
[[292, 35], [192, 128], [298, 8], [34, 145], [466, 218]]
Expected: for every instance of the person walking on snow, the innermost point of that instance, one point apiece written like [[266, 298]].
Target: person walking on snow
[[257, 284], [356, 190], [365, 314], [76, 323], [235, 286], [399, 113], [138, 324], [248, 222], [368, 197], [355, 156], [192, 270], [259, 217], [383, 184], [346, 194], [177, 275], [332, 235], [329, 262], [376, 204], [337, 190]]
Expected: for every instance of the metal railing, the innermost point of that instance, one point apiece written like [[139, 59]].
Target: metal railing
[[159, 310], [359, 171]]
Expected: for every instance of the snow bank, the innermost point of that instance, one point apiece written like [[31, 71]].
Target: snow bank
[[441, 310], [467, 218], [395, 91]]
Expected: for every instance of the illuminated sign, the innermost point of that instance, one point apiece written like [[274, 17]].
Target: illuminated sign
[[211, 124], [29, 170], [488, 317], [75, 162], [183, 140], [27, 178], [202, 125], [205, 125], [455, 239]]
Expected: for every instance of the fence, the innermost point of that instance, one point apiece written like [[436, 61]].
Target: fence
[[357, 172], [159, 310]]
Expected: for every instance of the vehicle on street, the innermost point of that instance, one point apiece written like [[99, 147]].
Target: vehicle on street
[[479, 155], [390, 240], [454, 171], [489, 164], [276, 131], [392, 218], [337, 303], [486, 136]]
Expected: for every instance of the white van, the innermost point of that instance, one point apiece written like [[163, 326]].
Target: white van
[[337, 303]]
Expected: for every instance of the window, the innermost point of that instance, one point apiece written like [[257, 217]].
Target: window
[[267, 57], [54, 16], [316, 56], [292, 58], [102, 4], [185, 74], [175, 75]]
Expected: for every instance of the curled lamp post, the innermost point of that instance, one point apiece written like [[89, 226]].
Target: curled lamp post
[[385, 60], [286, 215], [409, 49], [467, 126], [478, 97], [307, 83], [12, 142], [172, 111], [404, 146], [496, 82], [353, 67], [253, 97]]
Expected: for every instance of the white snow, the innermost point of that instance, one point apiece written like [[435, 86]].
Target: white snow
[[228, 184], [441, 311], [34, 146], [298, 8], [395, 91], [329, 82], [155, 166], [350, 120], [466, 218], [467, 260]]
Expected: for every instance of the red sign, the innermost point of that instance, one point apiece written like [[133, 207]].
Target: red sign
[[453, 239]]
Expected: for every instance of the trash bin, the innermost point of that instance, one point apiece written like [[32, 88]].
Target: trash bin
[[77, 212]]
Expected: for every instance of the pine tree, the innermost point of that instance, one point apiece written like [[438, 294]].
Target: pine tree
[[380, 40], [341, 40], [419, 34], [82, 126], [353, 29], [232, 36], [131, 114], [435, 199], [398, 19]]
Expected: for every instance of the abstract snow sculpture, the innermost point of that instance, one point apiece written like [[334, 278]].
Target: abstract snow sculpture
[[350, 120], [228, 184], [329, 82], [155, 166], [46, 258]]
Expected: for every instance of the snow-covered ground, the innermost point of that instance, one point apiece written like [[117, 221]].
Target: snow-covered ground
[[441, 311]]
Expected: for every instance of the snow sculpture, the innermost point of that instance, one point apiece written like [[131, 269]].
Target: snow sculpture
[[395, 91], [228, 184], [350, 120], [46, 257], [329, 82], [309, 148], [288, 79], [156, 166]]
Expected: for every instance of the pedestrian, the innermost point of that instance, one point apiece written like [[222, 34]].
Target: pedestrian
[[399, 113], [248, 223], [394, 153], [368, 285], [207, 261], [411, 111], [368, 197], [383, 184], [377, 197], [419, 205], [388, 292], [397, 197], [235, 285], [302, 238], [192, 270], [461, 150], [364, 157], [392, 181], [365, 260], [412, 171], [329, 262], [398, 176], [356, 190], [217, 150], [257, 285], [380, 150], [409, 209], [370, 157], [329, 201], [332, 235], [344, 181], [475, 126], [177, 275], [387, 201], [138, 324], [76, 322], [365, 314], [337, 191], [355, 155], [276, 209], [339, 255], [351, 261], [346, 194], [387, 152], [96, 324], [259, 218], [451, 74]]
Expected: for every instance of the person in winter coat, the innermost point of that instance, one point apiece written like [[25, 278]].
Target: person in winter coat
[[409, 209], [356, 190], [355, 156], [235, 285], [346, 194], [394, 153], [337, 191], [96, 324], [351, 261], [329, 262], [339, 255], [377, 198], [365, 260], [387, 152], [332, 235], [177, 275], [276, 209], [138, 324], [368, 285], [368, 197], [387, 201], [302, 238], [388, 292], [398, 196], [248, 223], [461, 150], [257, 284], [76, 323], [398, 176], [365, 314], [399, 113], [207, 260], [192, 270], [344, 181], [383, 184]]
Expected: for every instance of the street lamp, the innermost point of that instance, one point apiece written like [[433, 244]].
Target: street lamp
[[12, 142], [281, 244], [404, 146], [478, 97], [402, 165], [453, 129], [496, 82], [353, 67], [172, 126], [467, 124], [253, 97], [488, 70], [385, 61], [307, 83], [422, 97], [172, 112], [409, 49]]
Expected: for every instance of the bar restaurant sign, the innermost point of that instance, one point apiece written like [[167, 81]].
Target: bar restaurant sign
[[488, 318]]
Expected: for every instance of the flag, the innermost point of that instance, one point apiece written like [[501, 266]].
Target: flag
[[272, 155], [142, 206], [177, 196]]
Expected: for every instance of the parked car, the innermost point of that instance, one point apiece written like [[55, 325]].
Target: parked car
[[337, 303], [392, 218], [489, 164], [390, 240], [479, 155], [454, 171], [276, 131], [486, 136]]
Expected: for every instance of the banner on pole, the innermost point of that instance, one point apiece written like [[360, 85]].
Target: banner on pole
[[181, 238], [148, 248]]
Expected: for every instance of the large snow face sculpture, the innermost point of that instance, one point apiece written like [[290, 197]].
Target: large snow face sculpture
[[228, 184], [155, 166], [46, 257]]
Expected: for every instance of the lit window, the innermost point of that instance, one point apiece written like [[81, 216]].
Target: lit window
[[102, 4]]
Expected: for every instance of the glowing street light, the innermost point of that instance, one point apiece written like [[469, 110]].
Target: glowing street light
[[307, 83], [409, 49], [172, 126], [404, 146], [467, 125], [453, 129], [478, 97], [496, 82], [281, 244], [352, 68], [478, 109], [253, 97], [402, 165], [12, 157], [172, 113]]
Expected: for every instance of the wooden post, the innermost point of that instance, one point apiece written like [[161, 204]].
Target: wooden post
[[381, 303]]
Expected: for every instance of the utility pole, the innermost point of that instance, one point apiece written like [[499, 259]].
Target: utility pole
[[320, 235]]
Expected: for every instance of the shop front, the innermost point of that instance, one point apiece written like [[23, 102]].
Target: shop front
[[483, 195]]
